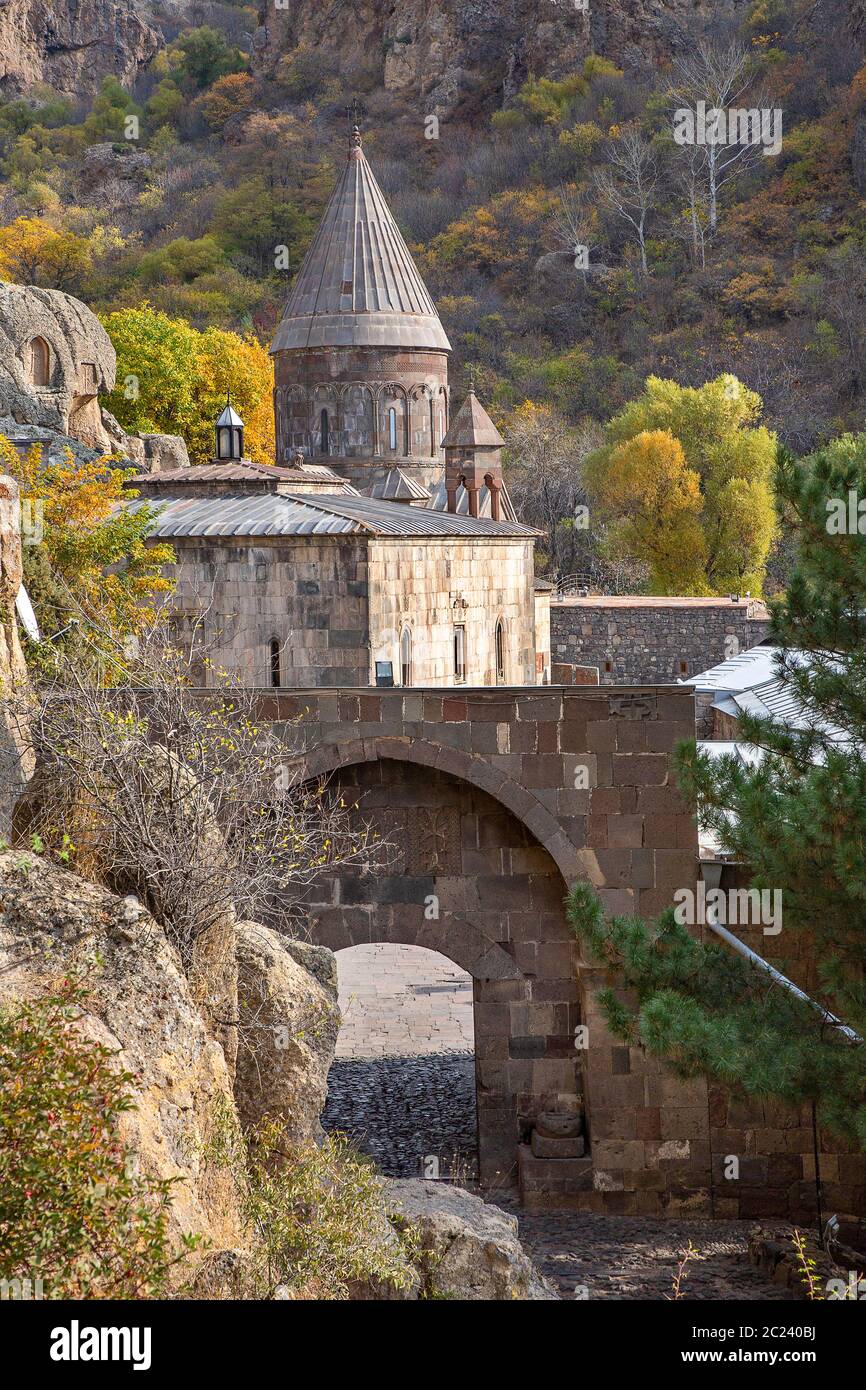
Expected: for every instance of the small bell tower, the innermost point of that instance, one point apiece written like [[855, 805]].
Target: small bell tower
[[473, 456], [229, 435]]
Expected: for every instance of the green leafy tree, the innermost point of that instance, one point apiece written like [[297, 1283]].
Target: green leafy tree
[[207, 56], [717, 427], [111, 106], [173, 379], [798, 817]]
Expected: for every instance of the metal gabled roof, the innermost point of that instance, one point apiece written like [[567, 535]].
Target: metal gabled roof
[[741, 672], [230, 416], [396, 486], [266, 514], [358, 285], [300, 514]]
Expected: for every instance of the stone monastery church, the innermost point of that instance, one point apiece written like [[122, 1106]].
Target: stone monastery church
[[383, 547]]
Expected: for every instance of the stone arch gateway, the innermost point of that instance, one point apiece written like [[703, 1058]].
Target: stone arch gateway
[[494, 801]]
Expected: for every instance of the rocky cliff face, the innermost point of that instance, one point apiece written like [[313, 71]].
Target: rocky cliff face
[[445, 50], [72, 44], [141, 1006]]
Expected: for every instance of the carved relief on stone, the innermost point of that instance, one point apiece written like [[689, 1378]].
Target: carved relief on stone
[[434, 840], [632, 706]]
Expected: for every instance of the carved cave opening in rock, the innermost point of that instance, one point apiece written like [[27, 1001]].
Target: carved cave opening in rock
[[402, 1085]]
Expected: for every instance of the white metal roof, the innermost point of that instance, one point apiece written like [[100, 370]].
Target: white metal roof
[[742, 672]]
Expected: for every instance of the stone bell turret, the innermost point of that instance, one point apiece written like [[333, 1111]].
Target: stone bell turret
[[473, 456]]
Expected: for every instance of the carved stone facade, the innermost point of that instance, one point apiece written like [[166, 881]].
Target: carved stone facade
[[363, 411]]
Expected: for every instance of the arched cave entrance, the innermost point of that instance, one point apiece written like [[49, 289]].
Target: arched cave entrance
[[402, 1085]]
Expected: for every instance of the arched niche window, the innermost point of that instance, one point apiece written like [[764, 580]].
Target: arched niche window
[[39, 365], [325, 431], [276, 672], [406, 657], [392, 429], [500, 653]]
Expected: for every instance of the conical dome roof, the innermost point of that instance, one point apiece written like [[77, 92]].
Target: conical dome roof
[[472, 428], [358, 285]]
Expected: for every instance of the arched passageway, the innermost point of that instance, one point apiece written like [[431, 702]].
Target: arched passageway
[[466, 878], [402, 1085]]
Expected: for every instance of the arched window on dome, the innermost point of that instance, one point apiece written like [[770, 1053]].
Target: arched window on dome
[[325, 432], [39, 365], [392, 429], [406, 657]]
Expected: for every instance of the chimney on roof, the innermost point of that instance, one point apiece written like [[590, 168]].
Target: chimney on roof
[[473, 457]]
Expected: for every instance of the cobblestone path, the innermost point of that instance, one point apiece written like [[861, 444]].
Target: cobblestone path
[[403, 1087]]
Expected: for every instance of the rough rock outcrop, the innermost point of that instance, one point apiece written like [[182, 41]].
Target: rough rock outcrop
[[16, 760], [80, 362], [155, 452], [471, 1249], [288, 1022], [71, 45], [451, 49], [113, 175], [139, 1002]]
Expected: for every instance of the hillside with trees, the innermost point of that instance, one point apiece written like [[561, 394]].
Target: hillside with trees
[[574, 247]]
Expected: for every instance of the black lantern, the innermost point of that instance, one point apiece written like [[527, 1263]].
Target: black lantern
[[229, 435]]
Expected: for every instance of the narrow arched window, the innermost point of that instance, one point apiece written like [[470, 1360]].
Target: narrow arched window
[[325, 432], [500, 654], [39, 366], [276, 674], [406, 657], [392, 429], [434, 443]]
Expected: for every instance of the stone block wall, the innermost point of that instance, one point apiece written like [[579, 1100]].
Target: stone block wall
[[309, 593], [495, 801], [478, 796], [647, 641], [429, 587]]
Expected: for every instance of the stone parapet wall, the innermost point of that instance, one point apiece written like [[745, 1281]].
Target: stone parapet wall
[[650, 642]]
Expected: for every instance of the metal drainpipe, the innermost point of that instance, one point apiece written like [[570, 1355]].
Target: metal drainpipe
[[742, 949]]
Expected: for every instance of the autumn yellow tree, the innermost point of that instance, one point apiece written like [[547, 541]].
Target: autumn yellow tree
[[646, 494], [85, 557], [32, 252], [722, 442], [173, 379]]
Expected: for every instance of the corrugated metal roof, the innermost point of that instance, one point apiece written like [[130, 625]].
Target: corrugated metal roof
[[265, 515], [358, 285], [301, 514], [742, 672], [237, 472], [393, 519]]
